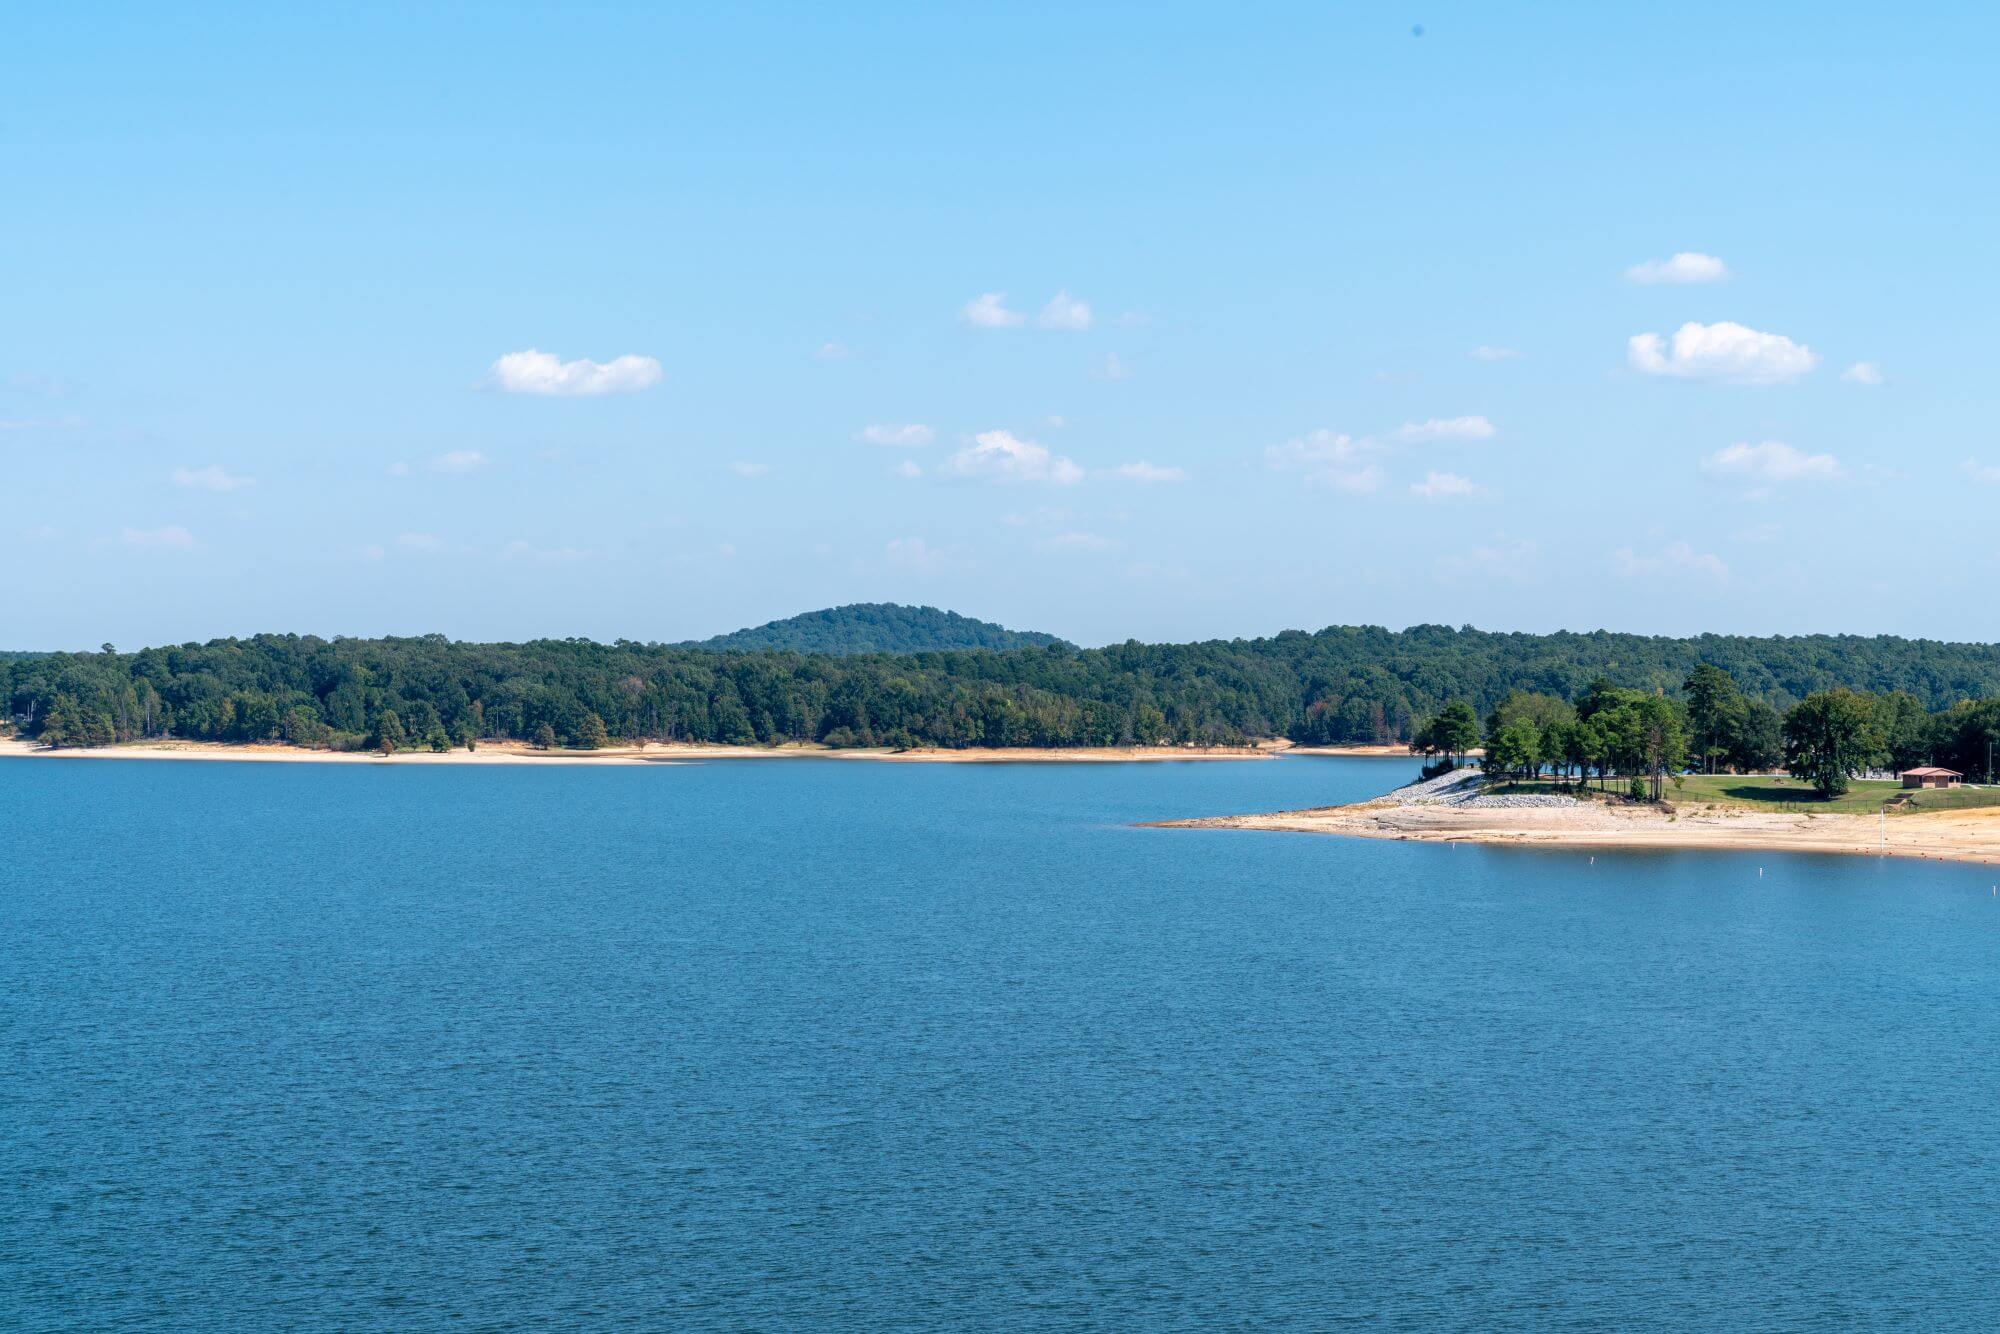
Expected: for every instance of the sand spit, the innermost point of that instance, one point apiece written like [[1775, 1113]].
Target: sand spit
[[1970, 835]]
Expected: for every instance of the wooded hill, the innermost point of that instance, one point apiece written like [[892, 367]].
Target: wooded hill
[[875, 627]]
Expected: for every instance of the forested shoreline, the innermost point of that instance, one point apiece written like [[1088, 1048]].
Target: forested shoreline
[[1340, 685]]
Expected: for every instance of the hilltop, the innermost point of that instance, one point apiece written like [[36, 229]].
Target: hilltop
[[875, 627]]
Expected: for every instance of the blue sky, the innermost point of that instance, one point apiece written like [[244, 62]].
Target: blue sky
[[1163, 322]]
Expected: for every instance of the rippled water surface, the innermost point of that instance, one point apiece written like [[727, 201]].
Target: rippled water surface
[[812, 1044]]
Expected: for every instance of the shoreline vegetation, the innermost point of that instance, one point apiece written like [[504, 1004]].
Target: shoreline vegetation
[[514, 752], [1345, 685]]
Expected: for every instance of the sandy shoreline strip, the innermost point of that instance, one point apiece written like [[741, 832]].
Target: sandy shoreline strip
[[1969, 835], [514, 752]]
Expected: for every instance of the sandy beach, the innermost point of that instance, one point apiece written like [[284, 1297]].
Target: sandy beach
[[1970, 835], [514, 752]]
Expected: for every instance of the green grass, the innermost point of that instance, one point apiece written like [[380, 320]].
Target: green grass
[[1768, 793]]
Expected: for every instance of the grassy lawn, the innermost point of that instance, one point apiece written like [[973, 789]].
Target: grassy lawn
[[1788, 794]]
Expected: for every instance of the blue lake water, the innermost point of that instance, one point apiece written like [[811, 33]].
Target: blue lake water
[[826, 1045]]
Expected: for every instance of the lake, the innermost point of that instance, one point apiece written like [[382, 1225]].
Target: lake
[[836, 1045]]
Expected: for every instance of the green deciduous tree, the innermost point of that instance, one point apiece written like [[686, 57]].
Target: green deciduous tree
[[1831, 736]]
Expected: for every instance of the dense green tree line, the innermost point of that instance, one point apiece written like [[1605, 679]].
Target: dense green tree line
[[1348, 684], [1646, 737]]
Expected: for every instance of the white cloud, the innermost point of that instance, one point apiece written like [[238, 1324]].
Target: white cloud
[[211, 478], [1772, 462], [1065, 312], [522, 550], [1444, 486], [1686, 267], [1864, 373], [374, 551], [1149, 472], [1982, 472], [912, 436], [1321, 446], [1724, 351], [907, 468], [420, 542], [745, 469], [1504, 558], [399, 469], [1487, 353], [831, 351], [1355, 481], [1329, 458], [1112, 369], [1678, 558], [989, 310], [459, 461], [535, 372], [1447, 428], [914, 553], [1077, 542], [168, 537], [1042, 516], [1002, 457]]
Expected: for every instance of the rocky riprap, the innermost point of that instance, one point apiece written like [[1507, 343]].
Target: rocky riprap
[[1462, 788]]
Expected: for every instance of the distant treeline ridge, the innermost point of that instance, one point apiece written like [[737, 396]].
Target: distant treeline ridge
[[1344, 684]]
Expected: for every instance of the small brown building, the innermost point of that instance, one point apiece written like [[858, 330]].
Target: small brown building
[[1931, 777]]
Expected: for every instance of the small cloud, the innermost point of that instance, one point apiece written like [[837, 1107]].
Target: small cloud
[[1686, 267], [374, 551], [1864, 373], [34, 382], [1112, 369], [1149, 472], [1355, 481], [1055, 421], [1444, 486], [1504, 558], [912, 436], [170, 537], [1076, 542], [726, 550], [907, 468], [419, 542], [831, 351], [1759, 533], [1729, 352], [399, 469], [1329, 458], [1773, 462], [1448, 428], [1485, 353], [536, 372], [1044, 516], [527, 552], [211, 478], [743, 469], [458, 461], [1000, 456], [989, 310], [913, 553], [1679, 558], [1988, 473], [1065, 312]]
